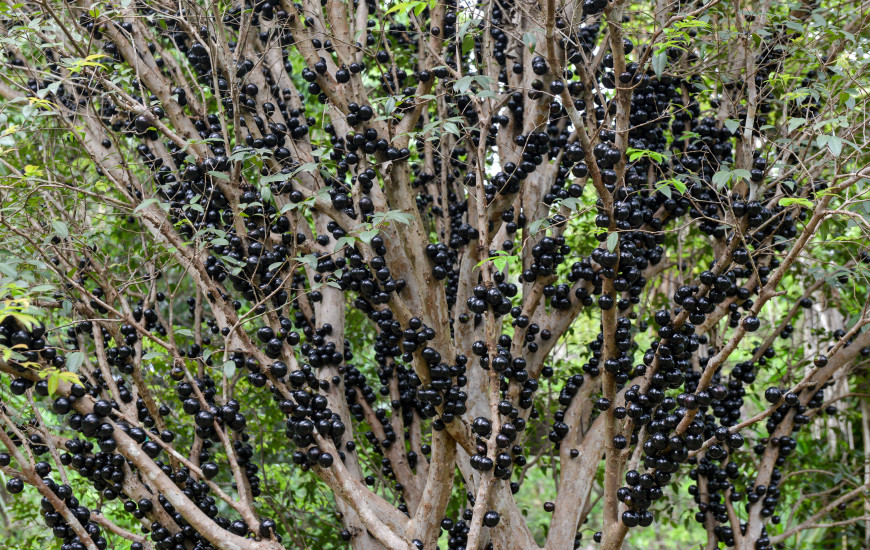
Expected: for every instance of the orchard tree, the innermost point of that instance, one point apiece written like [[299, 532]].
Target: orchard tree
[[431, 257]]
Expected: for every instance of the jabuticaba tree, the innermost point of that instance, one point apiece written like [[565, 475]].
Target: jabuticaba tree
[[417, 250]]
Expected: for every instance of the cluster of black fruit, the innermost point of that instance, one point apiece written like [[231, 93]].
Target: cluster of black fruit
[[249, 263], [106, 469], [101, 470]]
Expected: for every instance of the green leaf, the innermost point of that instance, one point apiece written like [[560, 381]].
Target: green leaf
[[151, 355], [307, 167], [74, 361], [612, 241], [60, 229], [786, 201], [402, 6], [634, 154], [344, 241], [229, 368], [571, 203], [664, 189], [390, 105], [463, 29], [242, 154], [70, 377], [451, 128], [367, 236], [145, 204], [665, 186], [741, 173], [835, 145], [721, 178], [463, 84], [534, 226], [850, 102], [53, 383], [273, 178], [732, 125], [8, 270], [795, 123], [233, 261], [530, 40], [309, 259], [291, 206], [658, 63], [499, 261], [392, 215], [467, 43]]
